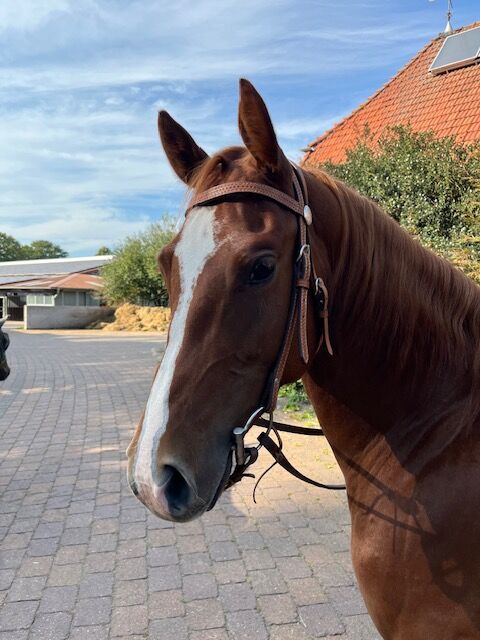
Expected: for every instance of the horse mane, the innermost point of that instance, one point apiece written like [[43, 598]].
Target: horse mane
[[411, 312]]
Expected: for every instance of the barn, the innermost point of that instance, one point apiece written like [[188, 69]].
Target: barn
[[52, 293]]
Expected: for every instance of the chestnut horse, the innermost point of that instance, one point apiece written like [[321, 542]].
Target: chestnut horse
[[399, 399]]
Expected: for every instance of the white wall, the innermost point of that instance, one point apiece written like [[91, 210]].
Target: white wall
[[47, 317]]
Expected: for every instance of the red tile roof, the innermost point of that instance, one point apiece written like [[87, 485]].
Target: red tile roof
[[447, 103]]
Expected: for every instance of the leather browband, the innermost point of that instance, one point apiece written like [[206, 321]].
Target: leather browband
[[233, 188]]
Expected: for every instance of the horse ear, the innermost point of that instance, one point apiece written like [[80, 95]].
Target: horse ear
[[257, 130], [182, 151]]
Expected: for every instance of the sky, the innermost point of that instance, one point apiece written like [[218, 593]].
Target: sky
[[81, 82]]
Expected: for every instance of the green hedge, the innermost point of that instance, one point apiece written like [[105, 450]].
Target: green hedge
[[429, 185]]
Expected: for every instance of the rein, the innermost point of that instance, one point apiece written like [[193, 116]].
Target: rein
[[304, 280]]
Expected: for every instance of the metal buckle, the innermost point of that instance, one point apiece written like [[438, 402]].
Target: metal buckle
[[239, 434], [304, 250]]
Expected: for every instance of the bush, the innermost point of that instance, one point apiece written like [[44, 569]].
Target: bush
[[430, 185], [132, 276]]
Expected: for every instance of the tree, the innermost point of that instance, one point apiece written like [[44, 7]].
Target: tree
[[132, 276], [104, 251], [42, 249], [10, 249], [430, 185]]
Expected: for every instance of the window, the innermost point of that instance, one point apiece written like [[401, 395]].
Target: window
[[40, 299], [70, 298]]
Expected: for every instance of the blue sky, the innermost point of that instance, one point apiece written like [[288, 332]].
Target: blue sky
[[81, 82]]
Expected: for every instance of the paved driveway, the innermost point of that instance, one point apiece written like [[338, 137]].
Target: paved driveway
[[80, 558]]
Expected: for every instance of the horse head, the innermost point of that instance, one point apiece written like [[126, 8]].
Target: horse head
[[229, 277]]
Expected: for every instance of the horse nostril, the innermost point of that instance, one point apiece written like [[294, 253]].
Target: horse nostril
[[176, 489], [133, 487]]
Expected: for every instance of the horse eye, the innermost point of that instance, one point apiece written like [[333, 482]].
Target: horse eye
[[262, 270]]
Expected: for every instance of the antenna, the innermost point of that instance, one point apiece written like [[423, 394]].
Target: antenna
[[449, 29]]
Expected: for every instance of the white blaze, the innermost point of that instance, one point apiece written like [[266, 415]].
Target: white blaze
[[197, 243]]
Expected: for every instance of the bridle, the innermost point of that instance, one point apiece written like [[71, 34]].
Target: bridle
[[304, 280]]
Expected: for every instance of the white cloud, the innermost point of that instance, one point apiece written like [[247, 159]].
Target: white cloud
[[80, 161]]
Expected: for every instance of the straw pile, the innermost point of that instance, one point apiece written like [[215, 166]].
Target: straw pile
[[130, 317]]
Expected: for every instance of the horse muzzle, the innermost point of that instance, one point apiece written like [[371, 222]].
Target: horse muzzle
[[172, 496]]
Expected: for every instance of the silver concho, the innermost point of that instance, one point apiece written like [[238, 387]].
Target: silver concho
[[307, 214]]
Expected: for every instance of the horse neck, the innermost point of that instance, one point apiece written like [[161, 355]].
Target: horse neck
[[405, 326]]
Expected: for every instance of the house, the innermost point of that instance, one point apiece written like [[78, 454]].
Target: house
[[53, 293], [438, 90]]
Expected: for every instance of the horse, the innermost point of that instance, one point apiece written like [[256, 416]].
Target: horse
[[394, 378], [4, 343]]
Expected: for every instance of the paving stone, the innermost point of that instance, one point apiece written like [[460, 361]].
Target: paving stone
[[199, 585], [17, 615], [6, 578], [193, 562], [51, 626], [64, 575], [43, 547], [229, 571], [96, 584], [131, 569], [56, 599], [71, 554], [268, 581], [129, 620], [306, 591], [166, 604], [246, 625], [161, 556], [175, 628], [26, 589], [130, 592], [101, 562], [320, 620], [220, 551], [204, 614], [294, 568], [237, 597], [164, 578], [92, 611], [278, 608], [35, 567], [258, 559], [347, 600]]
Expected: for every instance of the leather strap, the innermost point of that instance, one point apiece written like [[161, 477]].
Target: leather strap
[[234, 188], [280, 458]]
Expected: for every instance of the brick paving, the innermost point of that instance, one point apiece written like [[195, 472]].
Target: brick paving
[[81, 558]]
